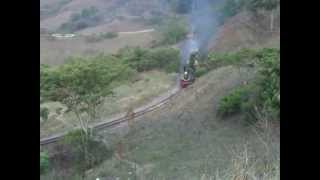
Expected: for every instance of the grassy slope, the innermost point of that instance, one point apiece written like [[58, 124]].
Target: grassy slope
[[186, 139], [247, 31], [127, 95], [54, 52]]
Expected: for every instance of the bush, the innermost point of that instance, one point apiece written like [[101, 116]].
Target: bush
[[144, 59], [83, 75], [200, 71], [44, 112], [44, 162], [264, 91], [239, 58], [233, 102], [173, 32], [269, 81], [85, 151], [109, 35], [165, 58]]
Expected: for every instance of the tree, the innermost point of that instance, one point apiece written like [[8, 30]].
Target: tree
[[82, 85], [173, 32]]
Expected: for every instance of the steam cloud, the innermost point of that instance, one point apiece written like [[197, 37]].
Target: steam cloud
[[203, 23]]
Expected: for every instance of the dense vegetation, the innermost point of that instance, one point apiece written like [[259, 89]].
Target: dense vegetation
[[244, 57], [234, 101], [142, 59], [82, 84], [101, 71], [260, 96], [83, 152], [173, 31]]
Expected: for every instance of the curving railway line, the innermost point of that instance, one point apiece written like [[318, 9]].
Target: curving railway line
[[154, 105], [119, 120]]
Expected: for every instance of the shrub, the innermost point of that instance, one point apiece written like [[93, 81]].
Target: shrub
[[85, 151], [201, 71], [264, 91], [269, 81], [144, 59], [44, 112], [165, 58], [239, 58], [173, 31], [44, 162], [109, 35], [232, 103]]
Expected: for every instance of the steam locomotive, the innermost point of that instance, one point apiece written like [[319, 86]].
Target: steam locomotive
[[188, 75]]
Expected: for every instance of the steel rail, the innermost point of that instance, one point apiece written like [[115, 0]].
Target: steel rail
[[115, 122]]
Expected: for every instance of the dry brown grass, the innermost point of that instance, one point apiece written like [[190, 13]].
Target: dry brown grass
[[54, 52], [246, 31]]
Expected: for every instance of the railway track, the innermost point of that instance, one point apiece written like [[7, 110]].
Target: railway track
[[113, 123]]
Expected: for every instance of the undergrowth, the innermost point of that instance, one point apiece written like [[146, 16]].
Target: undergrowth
[[264, 91]]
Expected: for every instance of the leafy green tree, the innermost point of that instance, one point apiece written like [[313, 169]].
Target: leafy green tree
[[82, 84], [269, 81], [166, 58], [173, 32], [264, 90], [145, 59]]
